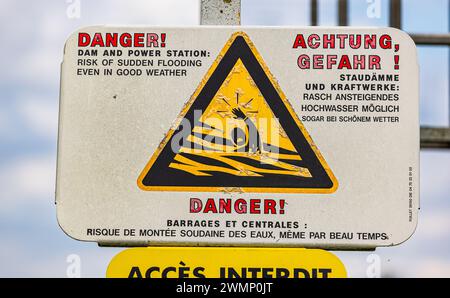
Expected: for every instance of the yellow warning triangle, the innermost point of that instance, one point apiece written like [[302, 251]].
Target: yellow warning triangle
[[238, 132]]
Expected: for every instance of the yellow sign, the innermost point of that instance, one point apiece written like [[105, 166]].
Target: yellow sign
[[238, 132], [211, 262]]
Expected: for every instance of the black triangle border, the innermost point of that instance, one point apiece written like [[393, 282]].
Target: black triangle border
[[159, 176]]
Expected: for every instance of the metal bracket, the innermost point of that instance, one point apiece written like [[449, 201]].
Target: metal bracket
[[435, 137]]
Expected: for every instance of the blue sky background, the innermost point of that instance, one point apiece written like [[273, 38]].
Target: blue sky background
[[32, 35]]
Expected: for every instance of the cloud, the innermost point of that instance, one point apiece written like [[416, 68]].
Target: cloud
[[40, 116], [419, 266], [432, 267], [26, 182], [281, 12], [435, 225], [17, 261], [168, 12], [401, 263], [5, 122], [434, 177]]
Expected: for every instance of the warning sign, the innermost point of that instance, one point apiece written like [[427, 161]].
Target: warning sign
[[236, 136], [238, 131], [209, 262]]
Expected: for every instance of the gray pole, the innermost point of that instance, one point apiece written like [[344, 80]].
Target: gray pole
[[220, 12]]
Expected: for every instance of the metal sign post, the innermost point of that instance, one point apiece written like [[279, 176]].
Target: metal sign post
[[220, 12]]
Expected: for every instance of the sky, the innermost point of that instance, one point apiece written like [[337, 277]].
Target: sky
[[32, 35]]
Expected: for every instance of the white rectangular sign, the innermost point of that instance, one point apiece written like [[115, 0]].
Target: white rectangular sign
[[239, 136]]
